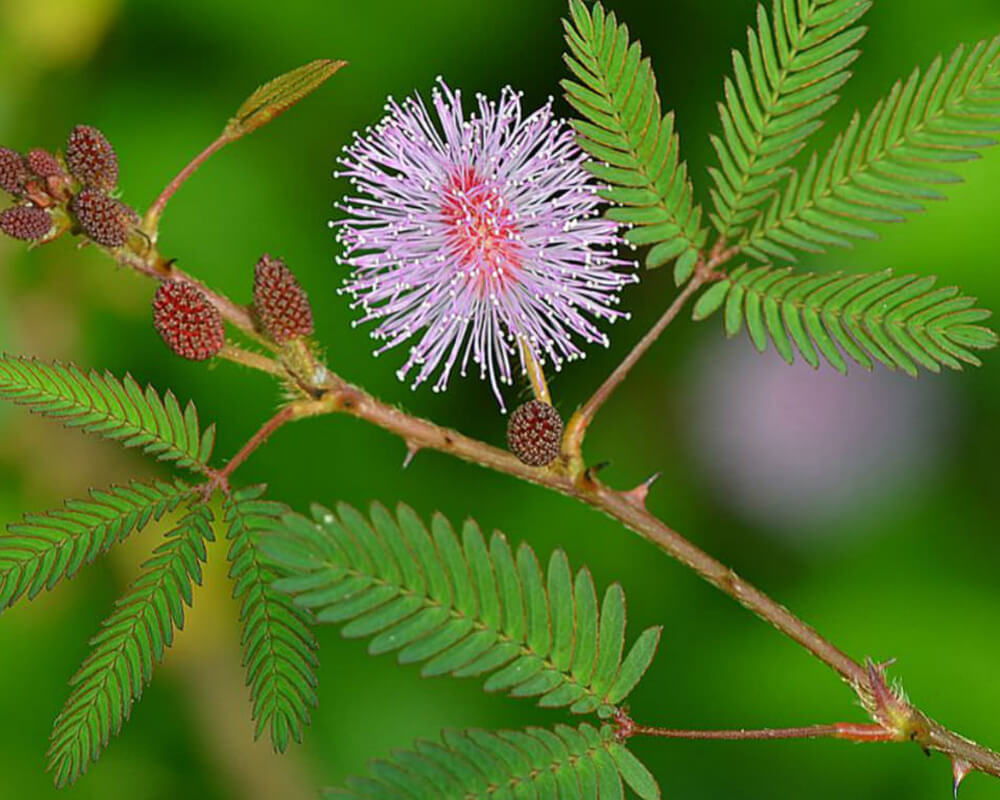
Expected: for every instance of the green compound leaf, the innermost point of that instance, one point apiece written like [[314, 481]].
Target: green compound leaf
[[462, 607], [42, 549], [901, 322], [131, 642], [279, 651], [634, 147], [115, 409], [796, 60], [568, 763], [889, 164]]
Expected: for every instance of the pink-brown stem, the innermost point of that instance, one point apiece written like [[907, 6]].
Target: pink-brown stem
[[855, 732], [151, 221]]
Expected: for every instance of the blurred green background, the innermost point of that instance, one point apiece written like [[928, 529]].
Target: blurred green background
[[903, 563]]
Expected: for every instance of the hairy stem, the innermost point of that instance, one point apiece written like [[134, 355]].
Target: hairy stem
[[576, 430], [151, 222], [248, 358], [536, 375], [705, 272]]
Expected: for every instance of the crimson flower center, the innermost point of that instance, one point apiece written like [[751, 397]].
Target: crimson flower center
[[482, 228]]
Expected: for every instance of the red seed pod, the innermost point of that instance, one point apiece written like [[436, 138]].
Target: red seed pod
[[102, 218], [282, 306], [534, 433], [13, 171], [91, 158], [43, 164], [26, 223], [189, 324]]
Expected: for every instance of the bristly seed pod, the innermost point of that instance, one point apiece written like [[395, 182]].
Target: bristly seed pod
[[13, 171], [43, 164], [26, 223], [189, 324], [534, 433], [281, 305], [91, 158], [102, 218]]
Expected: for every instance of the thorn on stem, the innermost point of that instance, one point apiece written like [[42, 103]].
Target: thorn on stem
[[960, 770], [411, 451], [591, 472], [638, 495]]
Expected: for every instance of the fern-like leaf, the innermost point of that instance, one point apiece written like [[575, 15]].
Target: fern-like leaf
[[796, 61], [463, 608], [42, 549], [901, 322], [888, 164], [131, 642], [112, 408], [581, 763], [634, 146], [279, 651]]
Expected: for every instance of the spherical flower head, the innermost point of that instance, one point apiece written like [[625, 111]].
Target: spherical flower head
[[91, 158], [477, 239], [189, 324], [26, 223], [13, 171], [281, 305], [534, 433]]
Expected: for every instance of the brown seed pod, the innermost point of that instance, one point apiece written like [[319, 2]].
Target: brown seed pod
[[91, 158], [102, 218], [13, 171], [43, 164], [189, 324], [281, 305], [26, 223], [534, 433]]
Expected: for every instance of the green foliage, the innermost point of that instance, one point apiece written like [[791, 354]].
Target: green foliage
[[42, 549], [634, 146], [887, 166], [796, 60], [112, 408], [566, 763], [131, 642], [902, 322], [463, 608], [279, 651]]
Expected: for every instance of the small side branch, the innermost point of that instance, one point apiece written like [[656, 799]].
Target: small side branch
[[151, 222]]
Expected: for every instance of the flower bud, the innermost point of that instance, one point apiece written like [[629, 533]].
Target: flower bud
[[43, 164], [187, 321], [102, 218], [91, 158], [13, 171], [281, 305], [26, 223], [534, 433]]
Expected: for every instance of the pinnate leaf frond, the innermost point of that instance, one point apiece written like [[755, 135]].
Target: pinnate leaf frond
[[132, 640], [279, 651], [109, 407], [901, 322], [463, 607], [634, 146], [796, 60], [887, 164], [581, 763], [42, 549]]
